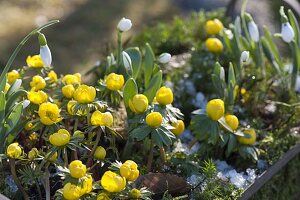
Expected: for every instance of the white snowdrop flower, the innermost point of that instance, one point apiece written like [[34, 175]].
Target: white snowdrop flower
[[229, 33], [126, 61], [222, 73], [244, 56], [26, 103], [124, 24], [253, 31], [46, 56], [297, 85], [17, 84], [164, 58], [287, 32]]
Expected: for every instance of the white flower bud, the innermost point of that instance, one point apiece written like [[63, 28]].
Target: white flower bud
[[253, 31], [244, 56], [124, 24], [17, 84], [26, 103], [229, 33], [46, 55], [164, 58], [287, 32], [222, 73], [126, 60]]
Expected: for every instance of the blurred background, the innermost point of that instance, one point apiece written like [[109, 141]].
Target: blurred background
[[88, 27]]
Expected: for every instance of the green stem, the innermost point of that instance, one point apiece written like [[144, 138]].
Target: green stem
[[127, 149], [162, 155], [76, 124], [119, 48], [66, 157], [38, 189], [89, 161], [47, 182]]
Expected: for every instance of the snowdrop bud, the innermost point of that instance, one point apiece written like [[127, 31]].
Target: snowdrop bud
[[253, 31], [229, 33], [26, 103], [287, 32], [244, 56], [222, 73], [164, 58], [126, 60], [16, 85], [46, 55], [124, 24]]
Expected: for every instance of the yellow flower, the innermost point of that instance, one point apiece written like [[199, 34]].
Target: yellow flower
[[7, 86], [87, 186], [61, 138], [12, 76], [114, 81], [135, 193], [77, 169], [129, 170], [68, 91], [179, 127], [100, 153], [71, 108], [72, 79], [215, 109], [113, 182], [213, 27], [214, 45], [33, 153], [103, 196], [14, 150], [139, 103], [49, 113], [28, 126], [78, 134], [102, 119], [34, 61], [53, 157], [71, 192], [154, 119], [33, 136], [164, 96], [38, 83], [85, 94], [38, 97], [232, 121], [52, 76], [248, 141]]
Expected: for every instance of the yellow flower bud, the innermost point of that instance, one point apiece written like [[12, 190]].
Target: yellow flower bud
[[214, 45], [68, 91], [232, 121], [114, 81], [7, 86], [33, 136], [61, 138], [179, 127], [103, 196], [138, 104], [49, 113], [33, 153], [12, 76], [28, 126], [113, 182], [52, 76], [87, 185], [100, 153], [38, 83], [101, 119], [85, 94], [129, 170], [213, 27], [35, 61], [248, 141], [135, 193], [71, 191], [215, 109], [38, 97], [14, 150], [53, 157], [154, 119], [72, 79], [164, 96], [79, 134], [77, 169]]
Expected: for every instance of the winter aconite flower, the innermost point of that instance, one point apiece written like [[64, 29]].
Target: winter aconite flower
[[28, 126], [114, 81], [61, 138], [214, 45], [14, 150], [33, 153], [164, 96], [124, 24], [103, 196], [34, 61], [102, 119], [38, 83], [135, 193], [154, 119], [213, 27], [129, 170], [164, 58], [12, 76], [100, 153], [232, 121], [52, 76], [85, 94], [113, 182], [215, 109], [77, 169], [71, 191], [178, 127], [49, 113], [138, 104], [87, 185], [68, 91], [72, 79], [53, 157], [250, 137], [38, 97]]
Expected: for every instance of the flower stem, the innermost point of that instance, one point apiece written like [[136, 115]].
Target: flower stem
[[38, 189], [12, 163], [150, 157], [162, 155], [89, 161], [47, 182], [119, 48], [66, 157]]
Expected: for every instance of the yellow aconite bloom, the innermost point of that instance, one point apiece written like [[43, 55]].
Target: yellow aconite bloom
[[28, 126], [215, 109], [103, 196], [87, 186], [232, 121], [85, 94], [154, 119], [214, 45], [102, 119], [49, 113], [78, 134], [129, 170], [179, 127], [7, 86], [72, 79], [33, 136], [52, 76], [248, 141], [139, 103], [100, 153], [33, 153], [38, 97], [38, 83], [68, 91], [77, 169], [135, 193], [113, 182], [35, 61], [12, 76], [14, 150], [164, 96], [71, 192], [53, 157], [213, 27], [61, 138], [114, 81]]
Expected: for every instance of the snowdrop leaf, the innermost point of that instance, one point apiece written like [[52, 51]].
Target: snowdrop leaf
[[130, 89], [148, 64], [136, 59]]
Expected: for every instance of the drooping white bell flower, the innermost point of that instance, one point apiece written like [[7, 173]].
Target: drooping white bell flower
[[17, 84], [25, 103], [124, 24], [45, 52], [253, 31], [126, 60], [164, 58], [287, 32], [222, 73], [244, 56]]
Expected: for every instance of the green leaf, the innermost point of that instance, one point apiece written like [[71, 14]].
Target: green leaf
[[13, 118], [224, 124], [3, 82], [232, 143], [140, 133], [164, 136], [130, 89], [136, 59], [14, 132], [2, 106], [295, 25], [148, 64], [153, 86], [156, 138], [13, 98], [231, 76]]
